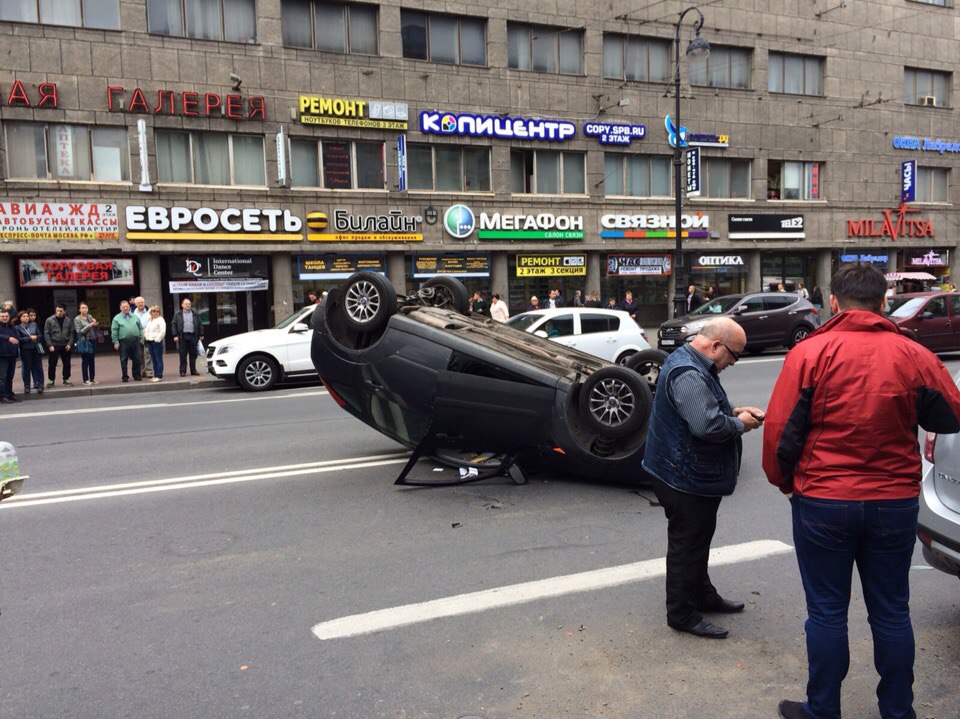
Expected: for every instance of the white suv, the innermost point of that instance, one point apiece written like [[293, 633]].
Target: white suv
[[258, 360], [609, 334]]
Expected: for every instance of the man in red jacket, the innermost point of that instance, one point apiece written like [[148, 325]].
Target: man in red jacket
[[841, 442]]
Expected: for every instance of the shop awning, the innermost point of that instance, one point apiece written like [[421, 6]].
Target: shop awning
[[897, 276]]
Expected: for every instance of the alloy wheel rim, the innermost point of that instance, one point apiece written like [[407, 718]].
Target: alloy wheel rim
[[362, 301], [650, 371], [612, 402], [258, 373], [801, 334]]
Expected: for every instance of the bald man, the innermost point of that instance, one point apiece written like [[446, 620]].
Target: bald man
[[693, 453]]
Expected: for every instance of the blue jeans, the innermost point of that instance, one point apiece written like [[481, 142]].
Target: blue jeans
[[830, 536], [156, 356], [88, 366], [31, 370]]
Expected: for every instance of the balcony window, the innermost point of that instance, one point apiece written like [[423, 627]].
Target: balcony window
[[795, 74], [329, 26], [210, 158], [97, 14], [723, 67], [547, 172], [443, 38], [928, 88], [793, 180], [231, 20], [336, 164], [448, 168], [636, 175], [544, 49], [67, 152], [636, 58]]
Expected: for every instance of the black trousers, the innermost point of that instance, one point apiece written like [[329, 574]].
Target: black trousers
[[691, 522], [63, 354], [8, 368], [130, 350], [187, 347]]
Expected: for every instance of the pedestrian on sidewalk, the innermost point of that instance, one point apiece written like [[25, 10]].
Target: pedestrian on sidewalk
[[31, 351], [83, 325], [59, 337], [693, 452], [126, 333], [499, 310], [841, 443], [142, 313], [187, 331], [9, 351], [154, 334]]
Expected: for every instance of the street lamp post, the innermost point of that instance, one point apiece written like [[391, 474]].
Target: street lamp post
[[698, 47]]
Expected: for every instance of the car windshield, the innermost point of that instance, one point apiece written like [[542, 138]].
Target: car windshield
[[910, 307], [295, 317], [525, 321], [716, 307], [894, 302]]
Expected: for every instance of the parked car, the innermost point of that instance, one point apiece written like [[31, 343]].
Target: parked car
[[931, 318], [465, 390], [609, 334], [258, 360], [939, 521], [770, 319]]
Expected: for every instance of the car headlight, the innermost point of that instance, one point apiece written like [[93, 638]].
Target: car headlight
[[223, 349], [692, 327]]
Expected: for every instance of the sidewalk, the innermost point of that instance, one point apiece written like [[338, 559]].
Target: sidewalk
[[108, 375]]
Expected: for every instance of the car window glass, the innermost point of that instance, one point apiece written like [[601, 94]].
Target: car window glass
[[561, 326], [908, 308], [955, 301], [778, 303], [524, 321], [716, 307], [598, 323], [399, 422], [937, 306], [752, 304]]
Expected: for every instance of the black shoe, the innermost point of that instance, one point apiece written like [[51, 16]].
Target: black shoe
[[6, 400], [792, 710], [125, 379], [722, 606], [704, 628], [195, 373], [15, 399], [183, 374], [137, 379]]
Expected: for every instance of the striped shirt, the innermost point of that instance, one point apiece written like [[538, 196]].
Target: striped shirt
[[699, 408]]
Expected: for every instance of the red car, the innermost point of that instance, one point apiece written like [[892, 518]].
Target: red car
[[931, 318]]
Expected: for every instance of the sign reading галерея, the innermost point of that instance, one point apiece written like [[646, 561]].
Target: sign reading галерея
[[350, 112], [58, 221]]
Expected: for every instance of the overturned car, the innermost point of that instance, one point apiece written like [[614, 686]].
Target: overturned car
[[475, 393]]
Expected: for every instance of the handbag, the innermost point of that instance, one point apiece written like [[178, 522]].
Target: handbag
[[85, 346], [41, 350]]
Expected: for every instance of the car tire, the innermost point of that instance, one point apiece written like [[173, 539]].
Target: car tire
[[798, 334], [258, 373], [368, 300], [448, 293], [615, 402], [647, 364]]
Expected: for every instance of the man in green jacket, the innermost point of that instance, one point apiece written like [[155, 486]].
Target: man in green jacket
[[126, 333]]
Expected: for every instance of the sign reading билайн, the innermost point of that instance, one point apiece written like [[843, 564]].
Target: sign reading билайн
[[249, 224], [58, 221], [392, 226], [343, 112]]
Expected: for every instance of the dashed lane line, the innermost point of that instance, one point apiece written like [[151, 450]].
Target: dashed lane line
[[395, 617]]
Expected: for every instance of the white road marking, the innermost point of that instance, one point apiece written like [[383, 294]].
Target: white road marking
[[159, 405], [200, 480], [394, 617]]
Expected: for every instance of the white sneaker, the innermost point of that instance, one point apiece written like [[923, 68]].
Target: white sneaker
[[93, 381], [87, 382], [155, 379]]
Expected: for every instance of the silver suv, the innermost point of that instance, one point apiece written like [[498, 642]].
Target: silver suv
[[939, 524]]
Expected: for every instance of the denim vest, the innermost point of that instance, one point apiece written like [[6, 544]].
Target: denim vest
[[673, 454]]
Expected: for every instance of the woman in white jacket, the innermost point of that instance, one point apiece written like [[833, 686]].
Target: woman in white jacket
[[154, 334]]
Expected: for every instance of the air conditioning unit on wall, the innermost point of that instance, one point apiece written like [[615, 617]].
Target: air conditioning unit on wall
[[928, 101]]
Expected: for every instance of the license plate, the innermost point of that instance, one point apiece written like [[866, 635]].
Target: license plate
[[667, 343]]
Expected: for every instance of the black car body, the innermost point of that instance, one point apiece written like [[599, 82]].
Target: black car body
[[452, 386], [770, 319]]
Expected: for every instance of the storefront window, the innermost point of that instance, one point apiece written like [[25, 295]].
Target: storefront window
[[788, 269], [67, 152]]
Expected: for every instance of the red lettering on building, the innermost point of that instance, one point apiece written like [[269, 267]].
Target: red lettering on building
[[111, 91], [258, 108], [894, 224], [234, 107], [48, 95], [212, 103], [191, 104], [168, 95], [138, 103], [18, 96]]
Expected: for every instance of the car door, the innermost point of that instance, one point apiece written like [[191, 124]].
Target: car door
[[934, 329], [779, 322], [751, 316], [562, 329], [297, 343], [954, 322], [599, 334]]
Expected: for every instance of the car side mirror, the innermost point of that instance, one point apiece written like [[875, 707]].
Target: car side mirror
[[738, 310], [300, 327], [541, 333], [926, 316]]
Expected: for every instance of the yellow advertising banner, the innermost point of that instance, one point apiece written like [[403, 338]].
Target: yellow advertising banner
[[353, 122], [551, 265], [365, 237]]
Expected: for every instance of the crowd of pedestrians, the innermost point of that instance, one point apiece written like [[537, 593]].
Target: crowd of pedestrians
[[137, 333]]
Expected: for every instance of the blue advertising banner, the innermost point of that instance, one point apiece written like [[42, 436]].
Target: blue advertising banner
[[908, 181], [402, 162]]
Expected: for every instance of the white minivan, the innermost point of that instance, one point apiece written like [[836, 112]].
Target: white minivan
[[609, 334]]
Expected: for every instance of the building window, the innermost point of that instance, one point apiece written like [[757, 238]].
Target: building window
[[232, 20], [636, 58], [547, 172], [793, 180], [329, 26], [795, 74], [98, 14], [443, 38], [336, 164], [448, 168], [941, 3], [544, 49], [210, 158], [636, 175], [723, 67], [932, 184], [926, 87], [726, 178], [67, 152]]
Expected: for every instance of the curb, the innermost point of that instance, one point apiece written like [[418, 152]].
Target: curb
[[131, 388]]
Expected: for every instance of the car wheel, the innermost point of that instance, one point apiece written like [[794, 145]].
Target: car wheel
[[615, 402], [754, 350], [625, 357], [647, 364], [448, 293], [799, 334], [368, 301], [258, 373]]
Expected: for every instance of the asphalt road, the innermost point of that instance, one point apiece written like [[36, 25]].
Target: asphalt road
[[197, 597]]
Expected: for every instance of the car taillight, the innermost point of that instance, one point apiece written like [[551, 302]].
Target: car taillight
[[929, 444], [815, 311], [336, 398]]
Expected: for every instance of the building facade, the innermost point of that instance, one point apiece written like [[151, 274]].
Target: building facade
[[244, 152]]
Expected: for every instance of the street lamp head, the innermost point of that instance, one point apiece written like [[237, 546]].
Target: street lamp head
[[698, 47]]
